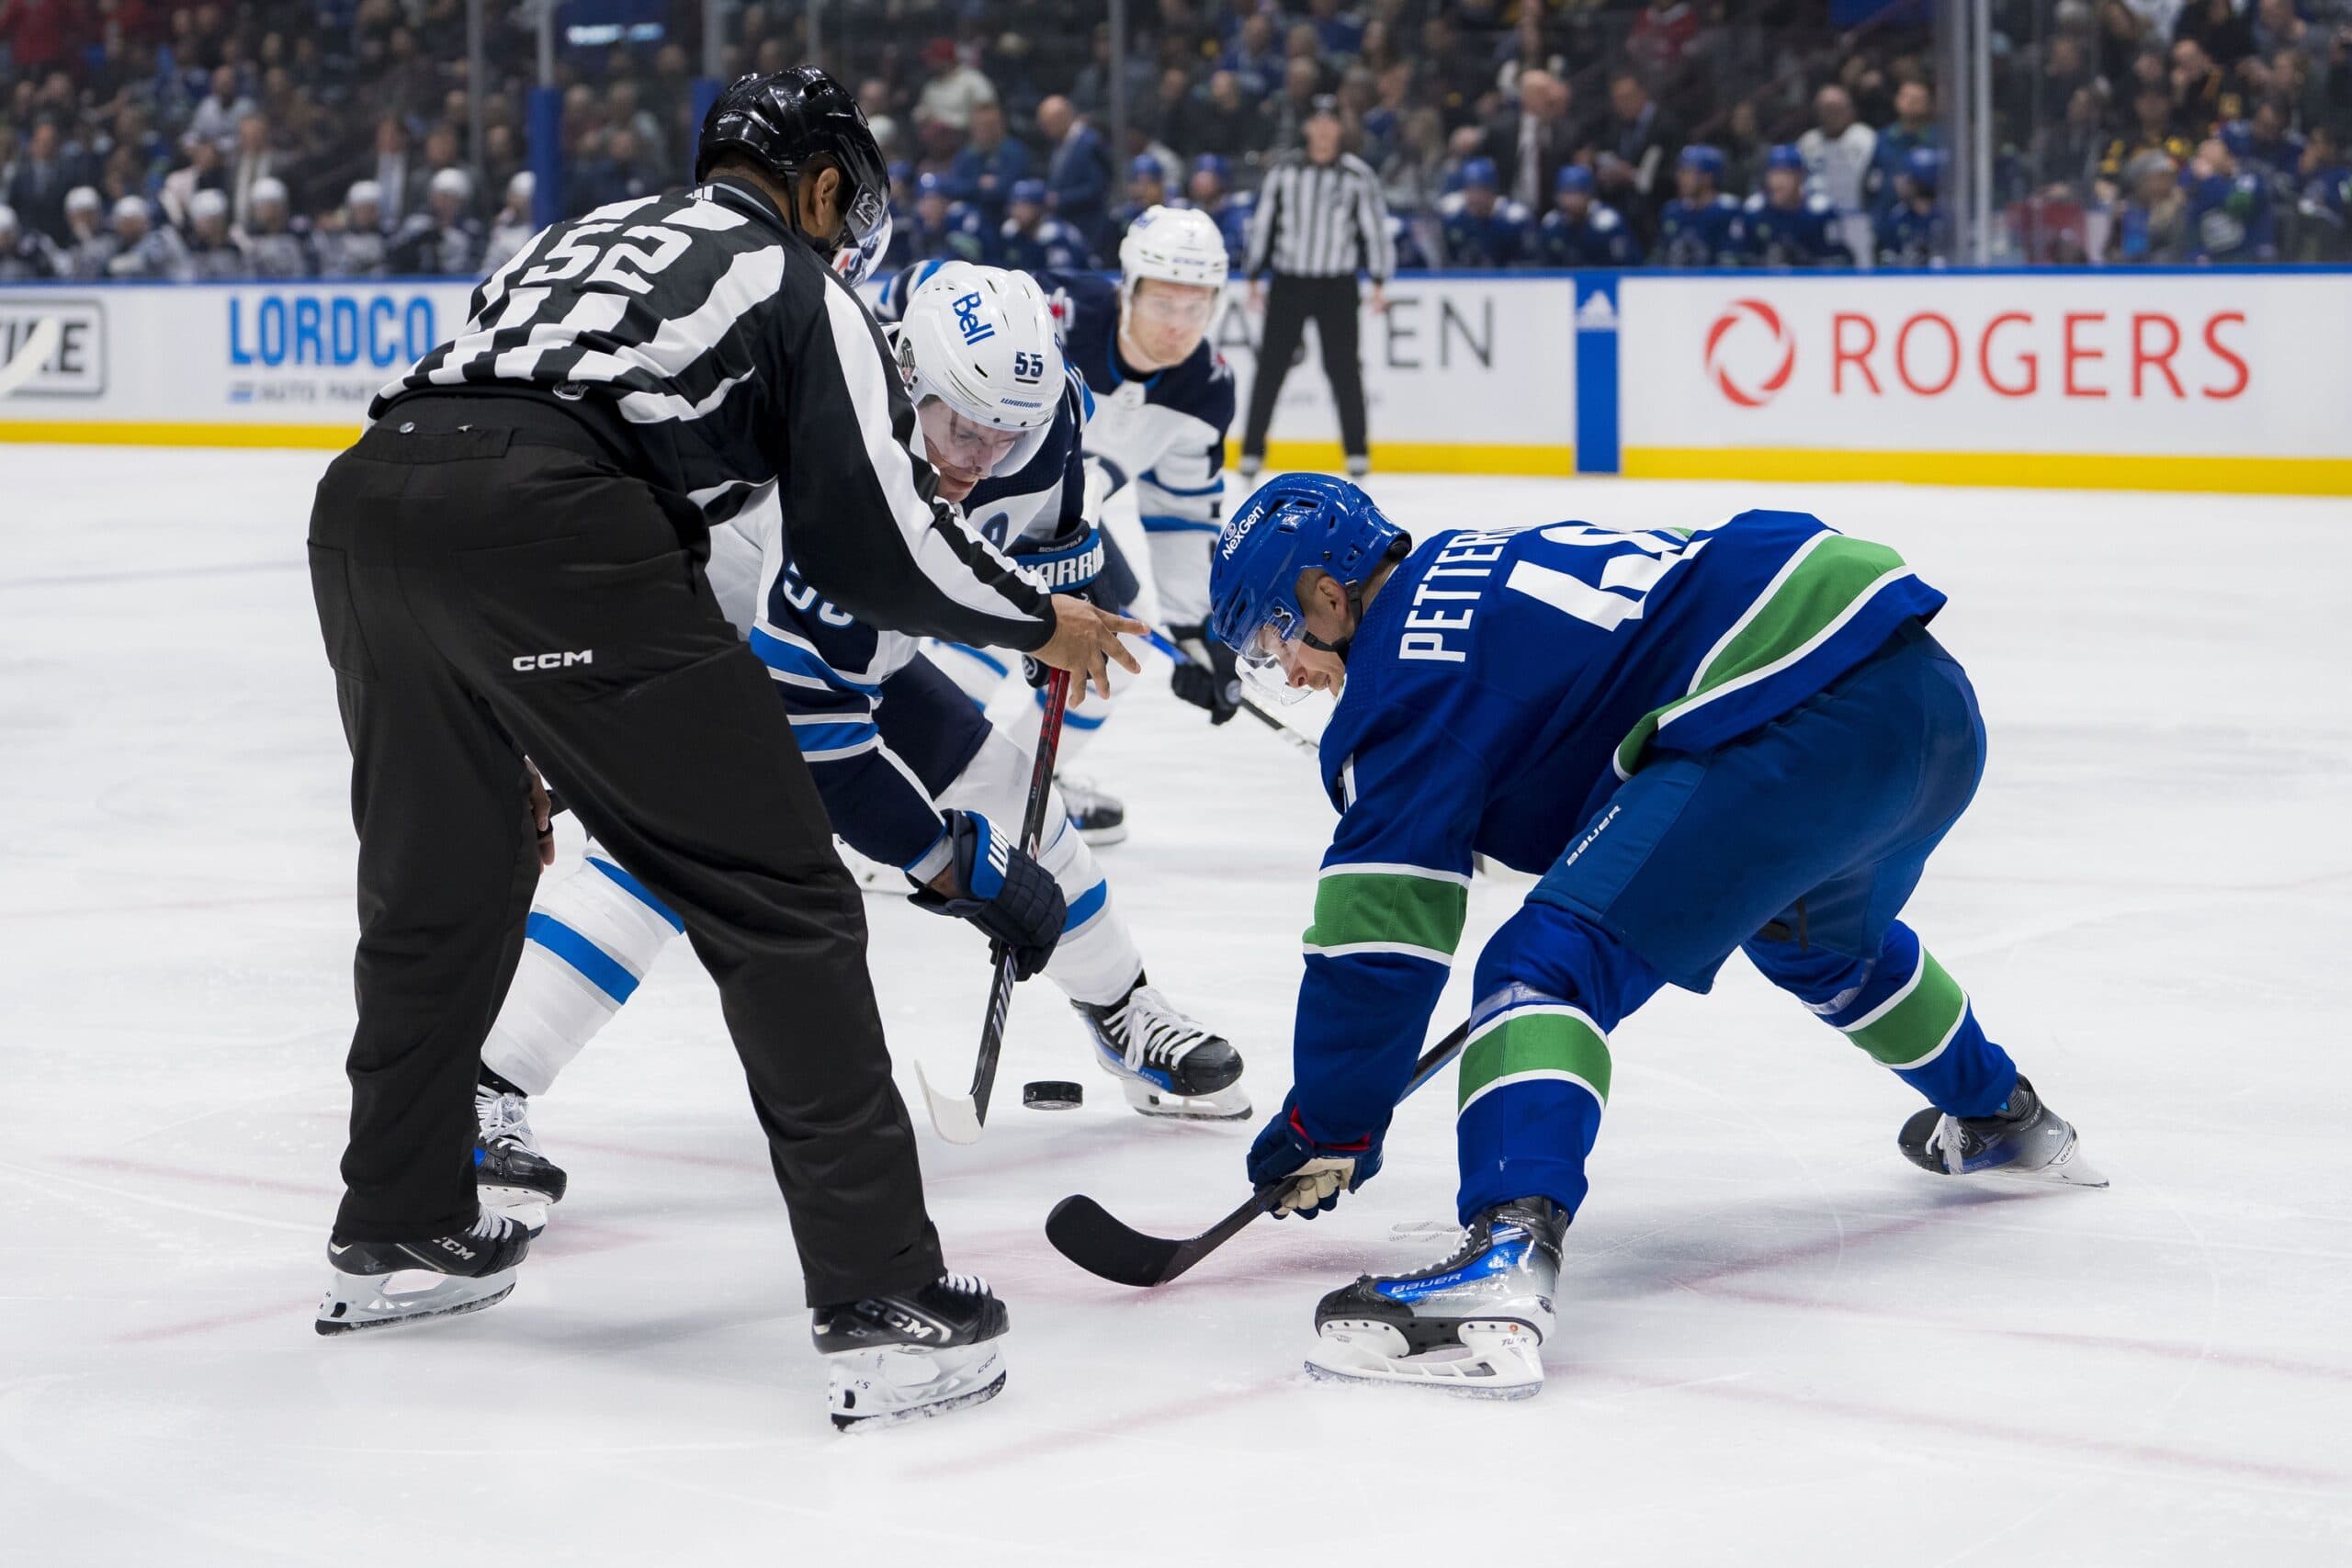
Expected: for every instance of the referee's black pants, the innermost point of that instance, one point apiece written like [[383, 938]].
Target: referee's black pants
[[502, 590], [1291, 302]]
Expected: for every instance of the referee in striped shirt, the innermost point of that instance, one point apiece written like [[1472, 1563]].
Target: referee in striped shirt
[[509, 564], [1320, 221]]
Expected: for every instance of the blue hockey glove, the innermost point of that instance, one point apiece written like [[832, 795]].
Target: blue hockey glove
[[1211, 679], [1318, 1173], [1000, 890]]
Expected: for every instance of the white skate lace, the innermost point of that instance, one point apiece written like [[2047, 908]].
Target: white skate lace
[[1156, 1032], [491, 1225], [504, 1116], [964, 1284]]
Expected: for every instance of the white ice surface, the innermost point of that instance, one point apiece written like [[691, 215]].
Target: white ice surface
[[1778, 1343]]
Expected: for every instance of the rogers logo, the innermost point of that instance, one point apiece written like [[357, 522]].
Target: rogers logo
[[1720, 362]]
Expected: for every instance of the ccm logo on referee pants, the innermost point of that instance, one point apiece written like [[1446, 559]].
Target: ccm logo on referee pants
[[554, 661]]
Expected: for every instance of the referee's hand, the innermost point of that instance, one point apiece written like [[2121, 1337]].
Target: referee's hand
[[1086, 642]]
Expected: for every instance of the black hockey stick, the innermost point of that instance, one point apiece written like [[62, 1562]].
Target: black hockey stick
[[1247, 704], [1084, 1232], [957, 1118]]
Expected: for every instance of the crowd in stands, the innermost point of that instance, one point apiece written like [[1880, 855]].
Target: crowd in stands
[[139, 139]]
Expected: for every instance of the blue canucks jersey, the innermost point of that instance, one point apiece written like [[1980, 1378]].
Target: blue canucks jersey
[[2231, 218], [1908, 237], [1502, 238], [1232, 217], [1802, 235], [1053, 243], [1598, 239], [1501, 686], [1703, 233]]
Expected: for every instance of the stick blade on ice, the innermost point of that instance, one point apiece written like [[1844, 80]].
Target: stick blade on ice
[[1084, 1232], [955, 1117]]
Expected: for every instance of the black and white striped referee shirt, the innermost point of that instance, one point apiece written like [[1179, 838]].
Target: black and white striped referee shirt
[[1321, 221], [714, 353]]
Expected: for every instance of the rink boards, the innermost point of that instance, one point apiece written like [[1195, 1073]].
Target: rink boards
[[2184, 379]]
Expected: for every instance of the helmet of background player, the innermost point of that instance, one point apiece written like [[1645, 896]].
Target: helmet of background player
[[1574, 179], [1784, 174], [1291, 524], [1924, 167], [779, 123], [1210, 177], [7, 221], [977, 348], [208, 214], [1480, 185], [1699, 162], [1181, 253]]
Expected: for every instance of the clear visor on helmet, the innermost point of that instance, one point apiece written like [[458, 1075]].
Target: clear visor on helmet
[[1174, 305], [1260, 660], [965, 445], [866, 237]]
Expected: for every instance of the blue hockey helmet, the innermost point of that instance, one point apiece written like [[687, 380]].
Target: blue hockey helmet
[[1210, 164], [1143, 166], [1478, 174], [929, 184], [1030, 191], [1925, 166], [1573, 178], [1785, 155], [1292, 523], [1700, 158]]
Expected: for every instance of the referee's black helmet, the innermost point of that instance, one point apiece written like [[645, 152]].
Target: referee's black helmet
[[779, 123]]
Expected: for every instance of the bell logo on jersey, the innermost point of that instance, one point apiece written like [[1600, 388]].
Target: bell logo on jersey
[[525, 662], [967, 319]]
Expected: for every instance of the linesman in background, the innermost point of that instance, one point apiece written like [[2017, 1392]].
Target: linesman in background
[[509, 564], [1320, 221]]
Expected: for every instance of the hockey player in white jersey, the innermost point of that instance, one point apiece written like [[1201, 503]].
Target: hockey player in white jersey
[[1162, 404], [911, 774]]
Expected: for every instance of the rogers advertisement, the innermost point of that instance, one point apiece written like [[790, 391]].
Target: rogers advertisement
[[2160, 365]]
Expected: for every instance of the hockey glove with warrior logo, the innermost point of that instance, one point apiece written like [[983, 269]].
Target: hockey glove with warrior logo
[[1318, 1172], [976, 872], [1081, 559], [1211, 679]]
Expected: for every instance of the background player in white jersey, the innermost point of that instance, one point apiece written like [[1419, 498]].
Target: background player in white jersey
[[912, 774], [1162, 404]]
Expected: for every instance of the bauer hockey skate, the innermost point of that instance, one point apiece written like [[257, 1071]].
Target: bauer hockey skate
[[1099, 818], [925, 1352], [1167, 1063], [1472, 1324], [378, 1283], [509, 1170], [2024, 1141]]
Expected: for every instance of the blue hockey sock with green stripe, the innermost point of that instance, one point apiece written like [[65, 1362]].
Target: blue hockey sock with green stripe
[[1905, 1011]]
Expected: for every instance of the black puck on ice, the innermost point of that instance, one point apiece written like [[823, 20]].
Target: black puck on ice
[[1052, 1094]]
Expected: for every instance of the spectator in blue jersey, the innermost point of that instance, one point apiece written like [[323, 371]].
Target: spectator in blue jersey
[[939, 229], [1479, 226], [1786, 225], [1078, 171], [2322, 196], [2230, 215], [1032, 240], [2263, 145], [1916, 231], [986, 167], [1582, 230], [1700, 226], [1147, 188], [2151, 221], [1212, 192], [1914, 125]]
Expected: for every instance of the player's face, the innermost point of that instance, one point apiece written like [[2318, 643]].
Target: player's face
[[1166, 320], [1575, 203], [1689, 183], [1783, 184], [1478, 199], [1309, 669], [964, 451]]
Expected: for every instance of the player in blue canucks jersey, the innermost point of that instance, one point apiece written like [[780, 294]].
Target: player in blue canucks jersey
[[1737, 737], [1580, 231], [939, 229], [1915, 232], [912, 774], [1783, 225], [2229, 214], [1700, 226], [1147, 188], [1032, 240], [1479, 226]]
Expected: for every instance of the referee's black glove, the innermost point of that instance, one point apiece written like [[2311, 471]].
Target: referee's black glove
[[1210, 678]]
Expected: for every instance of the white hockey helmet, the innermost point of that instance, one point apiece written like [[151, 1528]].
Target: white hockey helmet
[[268, 190], [7, 219], [208, 203], [981, 341], [1176, 244], [363, 193]]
